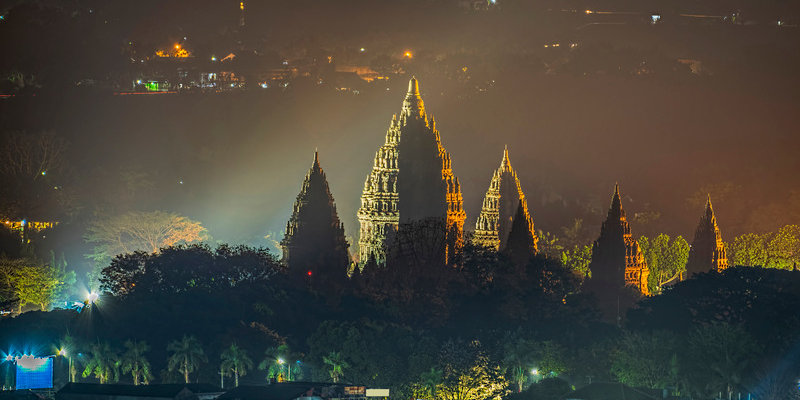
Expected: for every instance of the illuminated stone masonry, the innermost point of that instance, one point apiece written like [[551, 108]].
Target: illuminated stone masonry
[[315, 243], [411, 180], [707, 252], [499, 208], [617, 259]]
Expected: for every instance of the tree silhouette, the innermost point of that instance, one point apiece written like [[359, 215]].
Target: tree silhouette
[[337, 364], [134, 362], [103, 363], [187, 354], [236, 361]]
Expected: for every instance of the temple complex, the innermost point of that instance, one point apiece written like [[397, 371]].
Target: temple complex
[[315, 245], [500, 206], [617, 261], [707, 252], [411, 180]]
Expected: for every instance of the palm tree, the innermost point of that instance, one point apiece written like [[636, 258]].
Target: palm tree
[[518, 355], [136, 363], [337, 365], [235, 360], [187, 354], [103, 363], [68, 348], [279, 359]]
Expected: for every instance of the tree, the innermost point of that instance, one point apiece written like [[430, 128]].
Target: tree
[[31, 166], [665, 259], [430, 382], [718, 358], [134, 362], [39, 283], [236, 361], [749, 250], [518, 358], [141, 231], [783, 249], [187, 354], [103, 363], [337, 364], [644, 359], [577, 260], [279, 359], [469, 373], [548, 244], [193, 268]]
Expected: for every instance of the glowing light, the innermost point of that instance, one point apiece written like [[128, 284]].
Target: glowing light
[[62, 352], [534, 371], [44, 173], [589, 11], [280, 361], [309, 273], [31, 362], [408, 54], [177, 47], [213, 58], [9, 358], [241, 5], [92, 297], [363, 49]]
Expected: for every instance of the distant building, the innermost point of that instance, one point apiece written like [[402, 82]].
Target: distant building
[[178, 391], [500, 205], [617, 260], [411, 181], [708, 251], [315, 244], [618, 269]]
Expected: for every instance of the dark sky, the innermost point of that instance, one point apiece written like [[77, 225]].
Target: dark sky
[[242, 157]]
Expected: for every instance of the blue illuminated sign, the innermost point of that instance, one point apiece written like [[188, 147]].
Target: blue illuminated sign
[[34, 372]]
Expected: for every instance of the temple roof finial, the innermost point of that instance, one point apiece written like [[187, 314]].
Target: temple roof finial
[[413, 86], [506, 162]]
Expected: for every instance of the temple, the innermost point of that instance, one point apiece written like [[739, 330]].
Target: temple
[[411, 180], [499, 208], [707, 252], [617, 261], [315, 244], [520, 245]]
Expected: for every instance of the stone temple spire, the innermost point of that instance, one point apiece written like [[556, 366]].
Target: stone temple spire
[[617, 260], [314, 244], [708, 251], [500, 206], [411, 180], [412, 105]]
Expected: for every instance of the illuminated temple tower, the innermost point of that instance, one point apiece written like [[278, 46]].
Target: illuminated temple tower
[[707, 252], [500, 207], [411, 180], [315, 244], [617, 260]]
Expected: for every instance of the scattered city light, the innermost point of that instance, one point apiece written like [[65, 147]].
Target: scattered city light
[[363, 49], [177, 47], [408, 54], [589, 11], [309, 273], [44, 173], [213, 58]]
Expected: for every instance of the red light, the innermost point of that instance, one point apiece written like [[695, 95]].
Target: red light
[[309, 273]]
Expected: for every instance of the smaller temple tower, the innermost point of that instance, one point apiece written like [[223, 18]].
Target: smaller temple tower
[[708, 251], [617, 259], [500, 206], [314, 246]]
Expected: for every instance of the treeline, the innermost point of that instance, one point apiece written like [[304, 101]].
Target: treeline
[[487, 328]]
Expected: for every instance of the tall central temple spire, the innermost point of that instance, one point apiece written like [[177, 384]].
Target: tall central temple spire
[[411, 181]]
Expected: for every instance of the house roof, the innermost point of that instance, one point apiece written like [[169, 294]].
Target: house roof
[[161, 391], [278, 391], [607, 391]]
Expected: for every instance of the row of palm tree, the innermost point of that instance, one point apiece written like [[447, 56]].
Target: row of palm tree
[[186, 357]]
